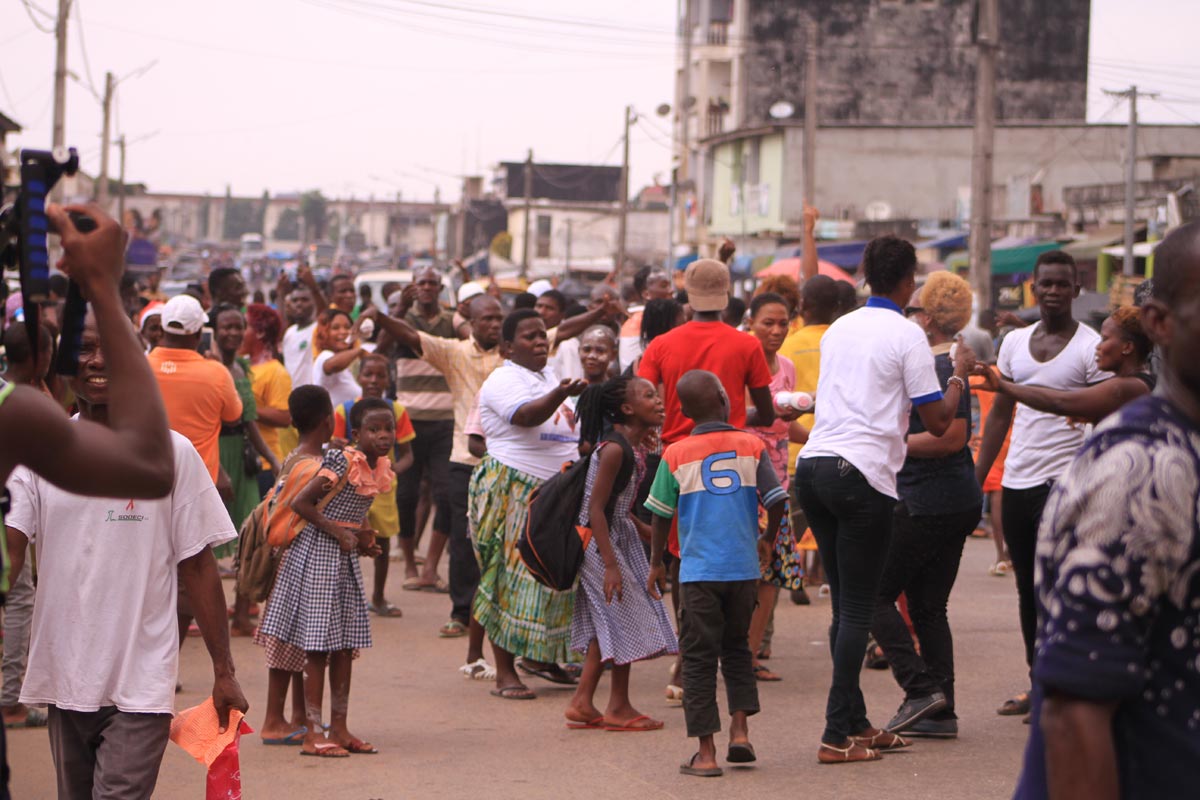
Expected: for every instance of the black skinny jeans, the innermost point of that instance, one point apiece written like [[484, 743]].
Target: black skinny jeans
[[852, 524], [1021, 514], [431, 458], [464, 569], [923, 564]]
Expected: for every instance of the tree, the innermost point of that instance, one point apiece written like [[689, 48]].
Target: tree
[[313, 207], [288, 227]]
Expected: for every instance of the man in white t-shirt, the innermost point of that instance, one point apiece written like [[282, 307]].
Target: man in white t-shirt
[[105, 645], [1056, 353], [300, 307]]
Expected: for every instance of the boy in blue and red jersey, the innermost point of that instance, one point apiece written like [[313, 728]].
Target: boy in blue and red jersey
[[714, 481]]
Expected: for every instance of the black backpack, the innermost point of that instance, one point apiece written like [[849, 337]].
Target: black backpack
[[552, 543]]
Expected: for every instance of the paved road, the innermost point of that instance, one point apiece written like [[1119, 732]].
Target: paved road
[[444, 737]]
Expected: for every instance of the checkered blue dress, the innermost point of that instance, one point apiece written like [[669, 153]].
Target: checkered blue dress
[[636, 627], [318, 602]]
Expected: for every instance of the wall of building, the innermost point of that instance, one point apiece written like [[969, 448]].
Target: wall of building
[[593, 234], [748, 196], [925, 173], [913, 61]]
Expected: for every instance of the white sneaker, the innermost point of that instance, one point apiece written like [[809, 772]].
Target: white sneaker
[[479, 670], [823, 591]]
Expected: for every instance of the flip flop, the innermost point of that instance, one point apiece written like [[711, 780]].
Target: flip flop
[[741, 753], [296, 737], [34, 718], [360, 748], [556, 675], [385, 610], [326, 750], [514, 693], [632, 727], [687, 768], [452, 630], [1015, 706], [762, 673], [596, 724]]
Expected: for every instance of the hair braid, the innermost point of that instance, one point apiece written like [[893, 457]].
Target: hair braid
[[601, 403]]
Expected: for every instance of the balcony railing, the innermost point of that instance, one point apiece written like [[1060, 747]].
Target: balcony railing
[[718, 33]]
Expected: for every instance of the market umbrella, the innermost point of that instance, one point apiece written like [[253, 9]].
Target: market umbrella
[[791, 267]]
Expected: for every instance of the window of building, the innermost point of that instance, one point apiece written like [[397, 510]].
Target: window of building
[[753, 153], [542, 242]]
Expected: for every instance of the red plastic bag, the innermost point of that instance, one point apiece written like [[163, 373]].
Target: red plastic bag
[[225, 773], [198, 732]]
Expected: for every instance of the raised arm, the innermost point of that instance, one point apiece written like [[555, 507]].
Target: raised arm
[[305, 275], [573, 326], [398, 329], [132, 457], [535, 412], [809, 263]]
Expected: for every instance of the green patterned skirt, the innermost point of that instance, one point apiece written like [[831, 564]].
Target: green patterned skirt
[[245, 488], [519, 614]]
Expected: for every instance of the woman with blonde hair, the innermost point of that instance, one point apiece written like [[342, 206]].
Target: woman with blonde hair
[[940, 504]]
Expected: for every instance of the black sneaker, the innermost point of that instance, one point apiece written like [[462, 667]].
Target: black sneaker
[[933, 729], [914, 710], [800, 597]]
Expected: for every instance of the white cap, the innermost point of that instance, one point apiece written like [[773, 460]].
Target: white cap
[[539, 287], [183, 314], [468, 290]]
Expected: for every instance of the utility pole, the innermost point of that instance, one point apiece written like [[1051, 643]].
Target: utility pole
[[121, 188], [1132, 95], [105, 144], [567, 263], [684, 109], [810, 116], [60, 85], [619, 267], [528, 213], [980, 242]]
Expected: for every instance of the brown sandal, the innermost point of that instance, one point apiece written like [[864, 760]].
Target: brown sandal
[[828, 754]]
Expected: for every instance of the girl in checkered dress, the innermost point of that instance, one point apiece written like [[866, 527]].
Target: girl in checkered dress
[[318, 603], [615, 618]]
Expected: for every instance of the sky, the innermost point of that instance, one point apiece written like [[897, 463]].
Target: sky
[[373, 97]]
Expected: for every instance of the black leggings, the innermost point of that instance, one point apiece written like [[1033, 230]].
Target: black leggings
[[1021, 514]]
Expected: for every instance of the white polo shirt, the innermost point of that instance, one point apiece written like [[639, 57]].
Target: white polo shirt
[[875, 366]]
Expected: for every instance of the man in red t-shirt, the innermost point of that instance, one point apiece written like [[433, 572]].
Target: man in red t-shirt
[[707, 343]]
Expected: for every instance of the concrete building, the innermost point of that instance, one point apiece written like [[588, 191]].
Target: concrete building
[[574, 218], [895, 105]]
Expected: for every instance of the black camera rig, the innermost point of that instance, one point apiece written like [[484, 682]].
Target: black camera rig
[[24, 230]]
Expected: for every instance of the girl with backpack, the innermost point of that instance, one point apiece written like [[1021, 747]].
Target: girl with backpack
[[317, 604], [615, 619]]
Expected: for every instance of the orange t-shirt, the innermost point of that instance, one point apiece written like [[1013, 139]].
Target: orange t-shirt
[[996, 474], [199, 395]]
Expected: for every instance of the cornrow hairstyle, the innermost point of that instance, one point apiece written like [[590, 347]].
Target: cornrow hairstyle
[[600, 404], [365, 406], [658, 317]]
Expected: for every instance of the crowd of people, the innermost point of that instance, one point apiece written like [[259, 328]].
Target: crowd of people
[[728, 450]]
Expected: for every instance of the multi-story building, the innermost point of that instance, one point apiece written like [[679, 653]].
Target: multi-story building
[[894, 109]]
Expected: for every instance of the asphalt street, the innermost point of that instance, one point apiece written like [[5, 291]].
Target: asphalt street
[[442, 736]]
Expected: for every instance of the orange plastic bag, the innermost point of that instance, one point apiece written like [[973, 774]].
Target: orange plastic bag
[[197, 731]]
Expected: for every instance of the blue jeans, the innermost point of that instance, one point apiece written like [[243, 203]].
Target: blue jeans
[[852, 524]]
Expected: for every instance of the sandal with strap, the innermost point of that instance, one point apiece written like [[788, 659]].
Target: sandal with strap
[[479, 670], [883, 741], [828, 754], [1016, 706]]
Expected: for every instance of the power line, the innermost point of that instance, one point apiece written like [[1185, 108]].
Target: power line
[[87, 64], [563, 21], [30, 8]]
